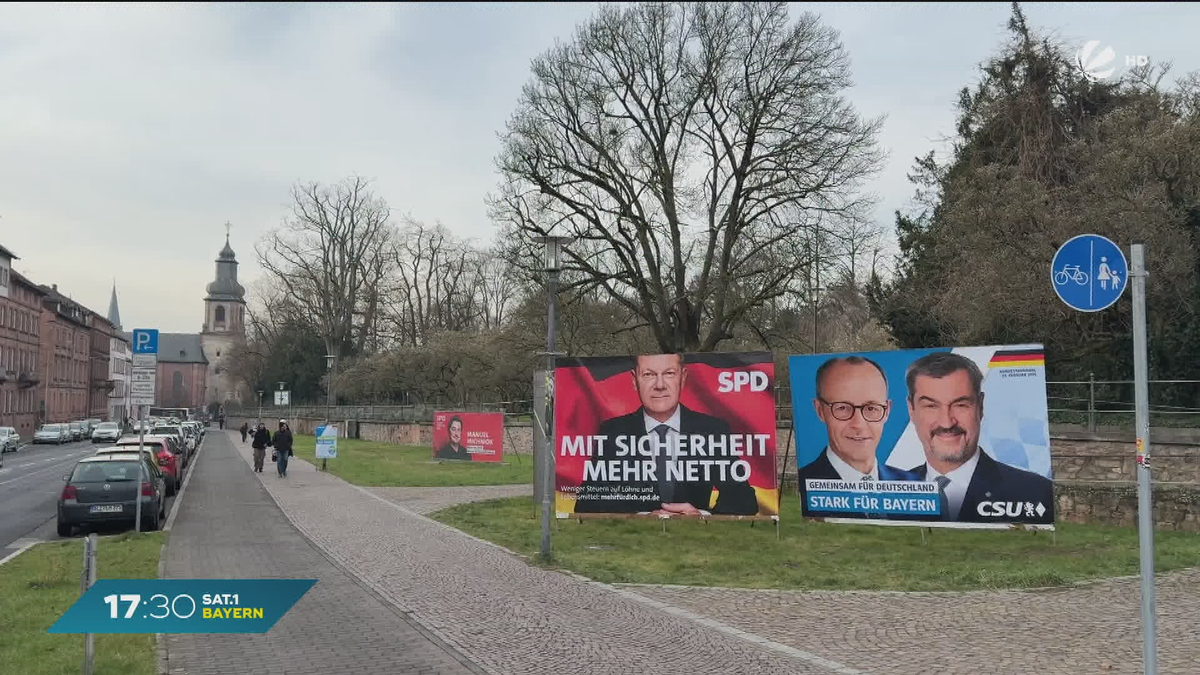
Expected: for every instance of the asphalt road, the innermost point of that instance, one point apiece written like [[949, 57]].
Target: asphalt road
[[30, 483]]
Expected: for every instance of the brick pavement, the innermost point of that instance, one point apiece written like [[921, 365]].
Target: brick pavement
[[425, 500], [513, 618], [229, 527], [509, 617]]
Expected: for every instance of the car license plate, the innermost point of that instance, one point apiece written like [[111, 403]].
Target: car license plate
[[106, 508]]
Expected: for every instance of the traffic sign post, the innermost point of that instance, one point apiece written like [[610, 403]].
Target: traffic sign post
[[141, 394], [1089, 273]]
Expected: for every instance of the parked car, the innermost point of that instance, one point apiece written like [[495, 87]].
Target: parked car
[[173, 445], [106, 489], [160, 453], [10, 440], [106, 431], [178, 432], [75, 429], [52, 433]]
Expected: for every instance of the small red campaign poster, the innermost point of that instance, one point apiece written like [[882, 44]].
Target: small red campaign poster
[[468, 436]]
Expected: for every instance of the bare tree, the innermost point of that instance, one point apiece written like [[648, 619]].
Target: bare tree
[[328, 255], [693, 144]]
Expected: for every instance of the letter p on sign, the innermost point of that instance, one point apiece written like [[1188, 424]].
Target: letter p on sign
[[145, 341]]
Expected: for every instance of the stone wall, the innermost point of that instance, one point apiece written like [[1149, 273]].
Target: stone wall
[[1176, 505]]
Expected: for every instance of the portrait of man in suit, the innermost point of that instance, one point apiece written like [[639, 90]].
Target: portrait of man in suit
[[852, 402], [945, 404], [453, 449], [659, 381]]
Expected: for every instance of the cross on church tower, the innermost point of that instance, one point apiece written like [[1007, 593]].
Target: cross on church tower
[[227, 226]]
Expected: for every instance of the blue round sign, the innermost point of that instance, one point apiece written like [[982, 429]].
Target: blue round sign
[[1089, 272]]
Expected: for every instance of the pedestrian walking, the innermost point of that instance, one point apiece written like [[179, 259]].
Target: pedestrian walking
[[245, 430], [283, 447], [221, 420], [262, 438]]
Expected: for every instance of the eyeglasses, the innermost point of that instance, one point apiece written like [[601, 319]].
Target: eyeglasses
[[871, 412]]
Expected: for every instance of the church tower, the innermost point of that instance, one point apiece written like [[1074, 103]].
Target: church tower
[[224, 326]]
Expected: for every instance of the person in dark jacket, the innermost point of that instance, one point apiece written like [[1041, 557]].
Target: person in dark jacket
[[262, 438], [245, 430], [283, 447]]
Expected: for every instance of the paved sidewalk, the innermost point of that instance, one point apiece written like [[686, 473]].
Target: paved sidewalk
[[509, 617], [229, 527], [513, 618]]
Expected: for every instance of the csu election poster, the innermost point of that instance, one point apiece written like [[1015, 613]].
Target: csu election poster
[[953, 437]]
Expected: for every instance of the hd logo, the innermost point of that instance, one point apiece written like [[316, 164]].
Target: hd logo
[[1011, 509]]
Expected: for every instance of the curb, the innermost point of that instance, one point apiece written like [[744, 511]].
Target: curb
[[19, 551], [182, 489]]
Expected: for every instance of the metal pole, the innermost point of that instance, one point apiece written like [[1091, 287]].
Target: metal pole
[[1092, 402], [1145, 499], [141, 448], [86, 580], [548, 454]]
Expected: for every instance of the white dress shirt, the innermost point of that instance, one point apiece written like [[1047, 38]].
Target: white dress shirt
[[848, 472], [960, 480]]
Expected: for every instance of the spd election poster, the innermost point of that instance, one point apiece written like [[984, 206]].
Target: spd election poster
[[666, 434], [467, 436], [950, 437]]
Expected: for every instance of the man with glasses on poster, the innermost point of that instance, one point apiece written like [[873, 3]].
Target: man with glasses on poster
[[852, 401]]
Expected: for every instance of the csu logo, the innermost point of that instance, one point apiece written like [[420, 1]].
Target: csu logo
[[735, 381], [1010, 509]]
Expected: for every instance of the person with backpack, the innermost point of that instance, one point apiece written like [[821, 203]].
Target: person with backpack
[[262, 438]]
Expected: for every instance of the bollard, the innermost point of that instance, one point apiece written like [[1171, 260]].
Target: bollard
[[87, 579]]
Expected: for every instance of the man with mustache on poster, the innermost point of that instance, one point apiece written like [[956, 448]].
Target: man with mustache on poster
[[659, 380], [945, 404]]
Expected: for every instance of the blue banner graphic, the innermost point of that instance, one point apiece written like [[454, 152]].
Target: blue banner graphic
[[182, 606]]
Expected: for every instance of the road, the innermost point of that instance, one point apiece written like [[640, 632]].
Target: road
[[30, 483]]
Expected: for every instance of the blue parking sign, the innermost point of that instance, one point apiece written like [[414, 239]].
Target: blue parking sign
[[145, 341], [1089, 273]]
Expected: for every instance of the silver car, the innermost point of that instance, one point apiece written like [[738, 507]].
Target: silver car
[[52, 433], [10, 440]]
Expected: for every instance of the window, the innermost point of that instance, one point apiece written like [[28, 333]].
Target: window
[[220, 314]]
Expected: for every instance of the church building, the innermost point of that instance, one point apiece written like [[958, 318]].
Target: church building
[[192, 369]]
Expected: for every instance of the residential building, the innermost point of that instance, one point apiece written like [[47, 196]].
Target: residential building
[[100, 384], [65, 356], [20, 326]]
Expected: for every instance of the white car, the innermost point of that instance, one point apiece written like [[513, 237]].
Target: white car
[[10, 440], [52, 433], [106, 432]]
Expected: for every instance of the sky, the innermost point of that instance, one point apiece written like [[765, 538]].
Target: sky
[[129, 135]]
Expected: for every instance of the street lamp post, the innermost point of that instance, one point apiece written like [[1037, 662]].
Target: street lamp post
[[260, 393], [552, 264], [331, 365]]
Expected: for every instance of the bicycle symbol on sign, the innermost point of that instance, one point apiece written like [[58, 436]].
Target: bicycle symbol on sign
[[1071, 273]]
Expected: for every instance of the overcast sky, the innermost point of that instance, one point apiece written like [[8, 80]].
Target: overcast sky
[[130, 134]]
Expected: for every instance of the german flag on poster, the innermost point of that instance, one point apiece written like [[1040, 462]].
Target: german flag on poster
[[1017, 358]]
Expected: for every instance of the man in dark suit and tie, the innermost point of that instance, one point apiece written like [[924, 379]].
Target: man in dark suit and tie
[[945, 404], [852, 401], [659, 380]]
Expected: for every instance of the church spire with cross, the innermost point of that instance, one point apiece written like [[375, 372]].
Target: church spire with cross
[[225, 304]]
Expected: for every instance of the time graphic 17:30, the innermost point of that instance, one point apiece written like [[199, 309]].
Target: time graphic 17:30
[[158, 606]]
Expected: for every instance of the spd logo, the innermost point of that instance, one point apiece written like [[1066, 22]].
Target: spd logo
[[735, 381]]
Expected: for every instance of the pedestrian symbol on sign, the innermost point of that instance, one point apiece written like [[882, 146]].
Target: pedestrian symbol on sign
[[1089, 273]]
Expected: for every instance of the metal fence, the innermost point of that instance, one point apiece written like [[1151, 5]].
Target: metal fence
[[1092, 403], [515, 410]]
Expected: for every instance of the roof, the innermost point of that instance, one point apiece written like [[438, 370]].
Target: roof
[[180, 348], [13, 256], [21, 278], [114, 312]]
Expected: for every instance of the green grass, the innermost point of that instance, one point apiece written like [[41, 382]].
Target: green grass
[[38, 586], [376, 464], [815, 555]]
